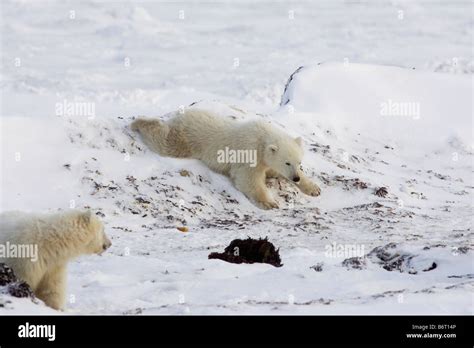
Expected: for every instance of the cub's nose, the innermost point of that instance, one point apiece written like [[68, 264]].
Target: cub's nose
[[296, 179]]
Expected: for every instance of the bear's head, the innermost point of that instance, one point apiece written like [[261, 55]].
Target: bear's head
[[98, 241], [284, 156]]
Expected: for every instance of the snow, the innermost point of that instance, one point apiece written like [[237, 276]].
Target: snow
[[391, 104], [235, 59]]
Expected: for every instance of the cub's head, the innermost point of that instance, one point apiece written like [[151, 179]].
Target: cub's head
[[97, 241], [284, 156]]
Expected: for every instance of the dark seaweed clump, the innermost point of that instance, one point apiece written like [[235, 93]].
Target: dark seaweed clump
[[13, 286], [250, 251]]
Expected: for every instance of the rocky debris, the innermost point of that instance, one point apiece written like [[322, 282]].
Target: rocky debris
[[226, 224], [355, 263], [20, 289], [133, 181], [389, 293], [391, 258], [324, 301], [142, 201], [12, 285], [460, 250], [250, 251], [228, 198], [6, 275], [319, 148], [438, 245], [359, 184], [381, 192], [133, 311], [317, 267], [438, 175], [101, 214], [347, 184], [96, 186], [383, 213], [104, 135], [418, 195], [467, 276]]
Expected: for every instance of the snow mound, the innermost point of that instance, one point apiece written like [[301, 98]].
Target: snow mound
[[420, 112]]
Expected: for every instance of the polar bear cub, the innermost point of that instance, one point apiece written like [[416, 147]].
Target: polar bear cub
[[38, 247], [205, 136]]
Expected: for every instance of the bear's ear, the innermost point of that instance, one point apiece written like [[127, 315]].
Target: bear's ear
[[299, 141], [85, 217], [272, 148]]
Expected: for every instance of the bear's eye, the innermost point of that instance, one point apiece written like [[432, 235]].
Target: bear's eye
[[288, 163]]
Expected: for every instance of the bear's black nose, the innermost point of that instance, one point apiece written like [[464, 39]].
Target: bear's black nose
[[296, 179]]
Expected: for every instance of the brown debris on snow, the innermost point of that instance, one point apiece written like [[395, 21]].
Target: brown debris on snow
[[381, 192], [393, 259], [347, 184], [355, 263]]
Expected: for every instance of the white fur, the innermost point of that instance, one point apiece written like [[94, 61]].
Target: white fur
[[59, 238], [201, 135]]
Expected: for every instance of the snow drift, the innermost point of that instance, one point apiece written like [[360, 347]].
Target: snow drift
[[419, 112]]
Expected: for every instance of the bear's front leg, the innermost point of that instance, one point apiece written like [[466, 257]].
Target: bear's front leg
[[52, 288], [251, 182], [307, 186], [271, 174]]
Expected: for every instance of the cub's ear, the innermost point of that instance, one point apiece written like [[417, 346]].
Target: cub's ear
[[272, 148], [85, 217], [299, 141]]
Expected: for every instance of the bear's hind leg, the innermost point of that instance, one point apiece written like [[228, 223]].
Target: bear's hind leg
[[154, 134], [52, 288]]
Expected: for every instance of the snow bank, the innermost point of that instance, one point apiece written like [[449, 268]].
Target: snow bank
[[420, 112]]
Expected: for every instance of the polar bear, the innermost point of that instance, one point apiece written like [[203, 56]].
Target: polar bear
[[208, 137], [38, 247]]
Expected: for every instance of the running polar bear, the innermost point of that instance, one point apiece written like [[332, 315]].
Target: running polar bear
[[205, 136], [44, 243]]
